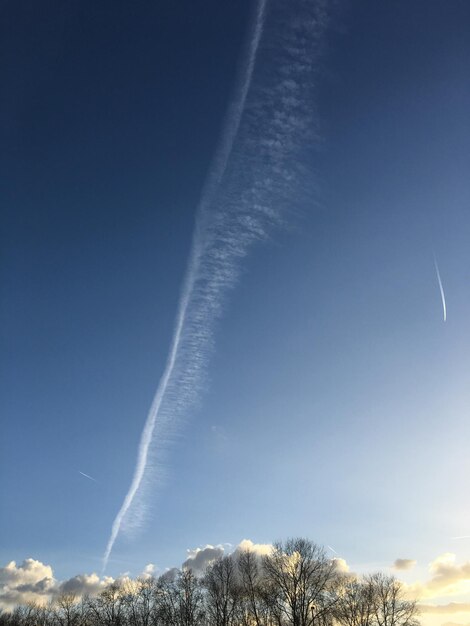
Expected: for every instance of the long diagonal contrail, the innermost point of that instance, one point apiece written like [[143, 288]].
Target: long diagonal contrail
[[257, 175], [232, 125], [441, 289]]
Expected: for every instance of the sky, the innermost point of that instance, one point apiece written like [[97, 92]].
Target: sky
[[332, 400]]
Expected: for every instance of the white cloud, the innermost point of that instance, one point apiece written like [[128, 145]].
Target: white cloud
[[199, 558], [261, 549], [341, 565], [32, 581], [149, 570], [448, 578], [29, 572], [170, 574], [85, 584], [446, 572]]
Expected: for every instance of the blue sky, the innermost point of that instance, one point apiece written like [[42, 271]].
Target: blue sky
[[337, 403]]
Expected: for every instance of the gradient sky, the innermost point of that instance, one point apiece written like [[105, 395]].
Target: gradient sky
[[338, 403]]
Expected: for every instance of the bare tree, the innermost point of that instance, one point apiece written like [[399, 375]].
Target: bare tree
[[255, 607], [139, 603], [295, 585], [166, 599], [67, 611], [190, 599], [31, 614], [304, 582], [391, 608], [4, 618], [356, 604], [107, 609], [222, 592]]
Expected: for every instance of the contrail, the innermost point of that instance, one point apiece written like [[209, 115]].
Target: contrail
[[234, 116], [87, 476], [462, 537], [332, 549], [443, 297], [256, 174]]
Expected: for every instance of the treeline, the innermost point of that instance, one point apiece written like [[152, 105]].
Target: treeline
[[295, 585]]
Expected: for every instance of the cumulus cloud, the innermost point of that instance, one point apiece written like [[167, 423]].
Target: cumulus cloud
[[84, 584], [199, 558], [341, 565], [447, 577], [29, 572], [404, 564], [170, 574], [446, 573], [149, 570], [32, 581], [261, 549]]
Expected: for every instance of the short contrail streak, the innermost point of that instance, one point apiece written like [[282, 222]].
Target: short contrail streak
[[87, 476], [462, 537], [443, 297]]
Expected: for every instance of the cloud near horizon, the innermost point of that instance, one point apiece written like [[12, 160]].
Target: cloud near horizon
[[27, 582], [458, 610], [341, 565], [33, 581], [448, 578], [199, 558]]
